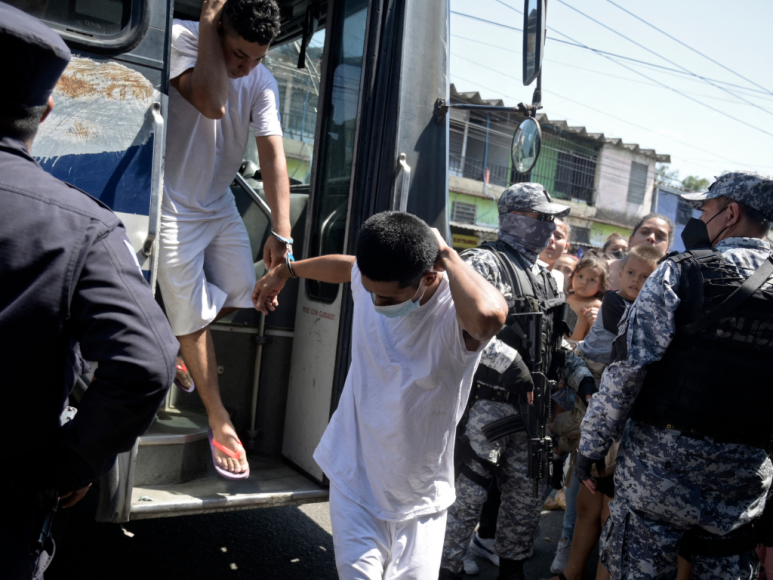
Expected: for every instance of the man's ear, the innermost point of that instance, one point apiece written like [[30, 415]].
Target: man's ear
[[49, 108], [734, 213], [430, 278], [567, 248]]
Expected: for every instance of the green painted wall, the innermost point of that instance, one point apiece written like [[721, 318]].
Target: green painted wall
[[487, 214], [544, 171], [600, 232]]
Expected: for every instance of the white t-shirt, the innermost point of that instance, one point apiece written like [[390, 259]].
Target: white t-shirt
[[390, 444], [203, 155]]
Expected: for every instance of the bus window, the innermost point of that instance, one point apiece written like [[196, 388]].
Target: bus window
[[299, 99], [103, 26], [336, 146]]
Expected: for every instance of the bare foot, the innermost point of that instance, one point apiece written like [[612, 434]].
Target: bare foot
[[225, 434]]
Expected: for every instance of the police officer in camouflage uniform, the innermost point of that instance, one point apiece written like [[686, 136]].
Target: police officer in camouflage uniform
[[526, 215], [693, 375]]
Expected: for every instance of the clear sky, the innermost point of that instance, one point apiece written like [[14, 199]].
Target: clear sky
[[590, 90]]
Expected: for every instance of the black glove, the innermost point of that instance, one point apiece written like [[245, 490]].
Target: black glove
[[517, 378], [583, 466], [586, 387]]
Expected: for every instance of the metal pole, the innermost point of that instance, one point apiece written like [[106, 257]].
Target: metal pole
[[253, 434]]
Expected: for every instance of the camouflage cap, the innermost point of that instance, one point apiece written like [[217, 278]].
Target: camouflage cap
[[530, 197], [747, 187]]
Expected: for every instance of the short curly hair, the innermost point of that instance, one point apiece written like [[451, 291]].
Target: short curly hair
[[398, 247], [253, 20]]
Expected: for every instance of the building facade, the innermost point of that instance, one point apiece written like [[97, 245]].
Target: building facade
[[608, 184]]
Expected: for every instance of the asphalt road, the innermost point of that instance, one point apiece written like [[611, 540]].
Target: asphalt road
[[285, 543]]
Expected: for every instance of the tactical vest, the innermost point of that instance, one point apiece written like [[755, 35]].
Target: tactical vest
[[536, 308], [714, 379]]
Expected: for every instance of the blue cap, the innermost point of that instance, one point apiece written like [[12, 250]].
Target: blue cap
[[34, 57], [749, 187], [530, 197]]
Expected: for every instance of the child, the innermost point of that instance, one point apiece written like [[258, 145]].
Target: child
[[597, 351], [421, 318], [635, 268], [587, 285]]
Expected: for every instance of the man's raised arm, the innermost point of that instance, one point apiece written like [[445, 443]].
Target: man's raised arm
[[205, 86], [335, 269], [480, 307]]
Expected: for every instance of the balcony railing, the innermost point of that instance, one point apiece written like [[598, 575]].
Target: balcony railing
[[474, 169], [564, 174]]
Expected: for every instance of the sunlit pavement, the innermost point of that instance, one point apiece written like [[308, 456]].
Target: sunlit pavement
[[265, 544]]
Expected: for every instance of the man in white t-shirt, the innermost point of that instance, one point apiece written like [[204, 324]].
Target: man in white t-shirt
[[219, 89], [421, 318]]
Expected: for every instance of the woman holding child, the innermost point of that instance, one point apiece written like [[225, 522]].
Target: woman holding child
[[648, 243]]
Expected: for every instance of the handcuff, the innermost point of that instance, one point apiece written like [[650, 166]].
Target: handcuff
[[289, 258]]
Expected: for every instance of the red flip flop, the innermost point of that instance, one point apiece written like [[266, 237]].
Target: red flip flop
[[182, 377], [232, 454]]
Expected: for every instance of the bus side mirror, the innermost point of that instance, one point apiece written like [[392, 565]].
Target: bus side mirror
[[533, 39], [527, 142]]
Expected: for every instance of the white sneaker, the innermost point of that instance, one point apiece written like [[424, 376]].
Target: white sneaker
[[470, 565], [562, 556], [484, 547]]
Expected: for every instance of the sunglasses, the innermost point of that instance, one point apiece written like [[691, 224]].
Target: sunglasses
[[543, 217]]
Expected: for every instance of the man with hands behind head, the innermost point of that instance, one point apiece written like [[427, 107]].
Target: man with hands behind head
[[421, 318], [219, 90]]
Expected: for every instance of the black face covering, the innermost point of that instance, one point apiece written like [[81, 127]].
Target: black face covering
[[695, 235]]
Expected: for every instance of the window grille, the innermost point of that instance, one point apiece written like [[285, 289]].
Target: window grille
[[580, 236], [574, 176], [463, 212]]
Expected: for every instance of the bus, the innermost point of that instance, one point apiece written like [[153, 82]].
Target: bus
[[363, 86]]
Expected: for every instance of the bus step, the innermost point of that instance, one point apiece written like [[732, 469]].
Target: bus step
[[271, 484], [175, 449]]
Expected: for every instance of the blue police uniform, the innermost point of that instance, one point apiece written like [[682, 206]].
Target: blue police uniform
[[667, 482], [70, 290]]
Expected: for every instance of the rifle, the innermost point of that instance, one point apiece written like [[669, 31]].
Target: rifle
[[533, 419]]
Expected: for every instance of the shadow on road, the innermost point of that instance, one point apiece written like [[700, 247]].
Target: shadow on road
[[262, 544]]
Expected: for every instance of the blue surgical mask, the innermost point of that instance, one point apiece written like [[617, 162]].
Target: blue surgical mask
[[398, 310]]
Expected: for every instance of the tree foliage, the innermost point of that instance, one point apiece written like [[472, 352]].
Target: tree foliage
[[671, 177], [695, 183]]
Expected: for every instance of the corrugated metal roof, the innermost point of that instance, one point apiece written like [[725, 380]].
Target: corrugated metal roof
[[475, 99], [473, 227]]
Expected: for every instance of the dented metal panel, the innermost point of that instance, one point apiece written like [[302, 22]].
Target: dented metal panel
[[99, 137]]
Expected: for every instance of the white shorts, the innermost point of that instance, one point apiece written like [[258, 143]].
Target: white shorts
[[367, 548], [204, 266]]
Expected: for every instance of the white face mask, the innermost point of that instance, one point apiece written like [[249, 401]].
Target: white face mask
[[398, 310]]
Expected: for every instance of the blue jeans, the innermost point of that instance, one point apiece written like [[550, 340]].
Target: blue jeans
[[570, 515]]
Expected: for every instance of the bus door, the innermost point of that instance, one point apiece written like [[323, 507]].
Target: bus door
[[379, 147]]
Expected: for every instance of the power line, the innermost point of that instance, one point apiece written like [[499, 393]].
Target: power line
[[482, 130], [606, 74], [603, 52], [581, 104], [602, 113], [691, 48], [723, 113], [660, 56]]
